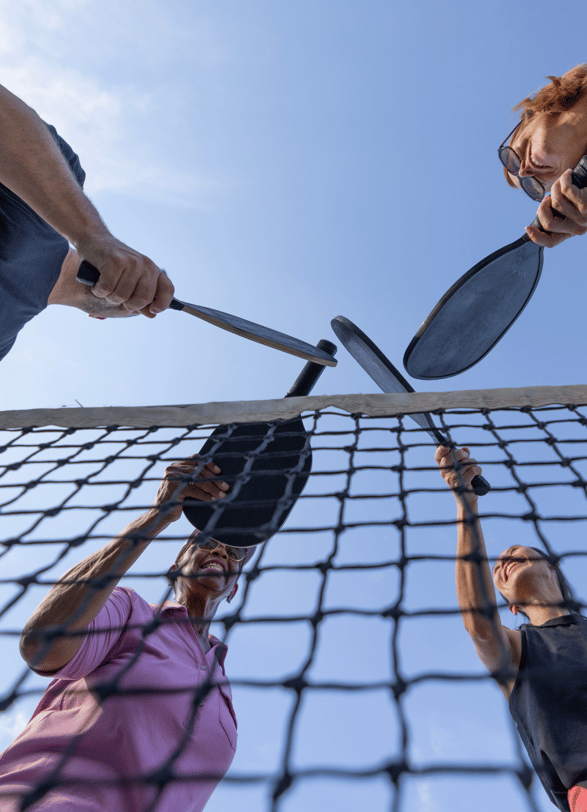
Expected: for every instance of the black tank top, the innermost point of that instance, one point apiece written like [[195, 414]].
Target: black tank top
[[31, 255], [549, 703]]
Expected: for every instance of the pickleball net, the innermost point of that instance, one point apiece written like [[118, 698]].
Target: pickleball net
[[354, 682]]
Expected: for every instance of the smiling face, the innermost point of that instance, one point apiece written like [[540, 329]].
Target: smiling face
[[209, 570], [521, 573], [550, 143]]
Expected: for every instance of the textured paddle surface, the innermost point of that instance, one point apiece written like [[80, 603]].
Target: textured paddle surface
[[476, 312]]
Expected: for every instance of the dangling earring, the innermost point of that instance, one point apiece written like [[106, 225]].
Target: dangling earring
[[228, 600]]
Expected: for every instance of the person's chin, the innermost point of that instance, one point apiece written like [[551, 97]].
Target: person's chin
[[216, 579]]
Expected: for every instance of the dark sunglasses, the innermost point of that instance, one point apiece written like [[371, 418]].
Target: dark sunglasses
[[234, 553], [512, 162]]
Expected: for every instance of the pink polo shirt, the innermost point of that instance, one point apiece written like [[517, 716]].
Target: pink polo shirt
[[134, 731]]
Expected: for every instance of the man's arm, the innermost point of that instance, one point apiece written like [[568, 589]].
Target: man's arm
[[79, 595], [32, 167], [496, 645]]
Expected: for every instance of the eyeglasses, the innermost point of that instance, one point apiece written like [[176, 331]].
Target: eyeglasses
[[234, 553], [512, 162]]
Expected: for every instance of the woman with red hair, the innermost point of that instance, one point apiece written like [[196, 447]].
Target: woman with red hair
[[543, 148]]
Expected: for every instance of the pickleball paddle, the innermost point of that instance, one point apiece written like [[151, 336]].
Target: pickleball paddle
[[477, 311], [89, 275], [266, 466], [386, 376]]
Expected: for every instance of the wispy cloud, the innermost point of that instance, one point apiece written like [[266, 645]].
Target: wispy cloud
[[11, 724], [70, 62], [426, 799]]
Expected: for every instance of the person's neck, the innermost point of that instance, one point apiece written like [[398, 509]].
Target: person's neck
[[539, 614], [201, 613]]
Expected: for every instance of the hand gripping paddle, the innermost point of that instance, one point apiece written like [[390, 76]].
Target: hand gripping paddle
[[266, 466], [234, 324], [481, 306], [386, 376]]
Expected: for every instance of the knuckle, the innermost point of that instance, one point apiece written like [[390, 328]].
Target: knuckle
[[104, 286]]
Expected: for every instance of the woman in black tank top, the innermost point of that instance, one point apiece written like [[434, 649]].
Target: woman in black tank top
[[541, 667]]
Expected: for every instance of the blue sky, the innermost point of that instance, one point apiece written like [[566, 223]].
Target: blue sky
[[289, 162]]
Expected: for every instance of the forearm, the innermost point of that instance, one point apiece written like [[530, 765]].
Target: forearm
[[32, 166], [79, 595], [475, 589]]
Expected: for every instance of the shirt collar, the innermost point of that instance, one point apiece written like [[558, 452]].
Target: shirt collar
[[171, 608], [563, 620]]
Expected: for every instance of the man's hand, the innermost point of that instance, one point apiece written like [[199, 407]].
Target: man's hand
[[126, 277], [32, 166], [570, 201], [456, 478], [182, 482]]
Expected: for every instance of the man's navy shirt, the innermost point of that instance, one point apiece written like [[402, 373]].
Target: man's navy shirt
[[31, 256]]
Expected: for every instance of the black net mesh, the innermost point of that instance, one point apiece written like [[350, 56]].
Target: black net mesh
[[354, 682]]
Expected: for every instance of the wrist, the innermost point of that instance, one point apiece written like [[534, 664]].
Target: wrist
[[466, 504], [159, 517], [147, 526], [90, 234]]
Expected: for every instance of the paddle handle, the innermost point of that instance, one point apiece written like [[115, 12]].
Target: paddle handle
[[309, 375], [479, 484], [89, 275], [579, 180]]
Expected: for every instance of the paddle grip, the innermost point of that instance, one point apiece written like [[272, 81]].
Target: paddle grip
[[87, 274], [479, 484], [309, 375], [579, 180]]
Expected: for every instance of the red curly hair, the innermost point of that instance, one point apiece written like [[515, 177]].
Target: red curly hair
[[560, 95]]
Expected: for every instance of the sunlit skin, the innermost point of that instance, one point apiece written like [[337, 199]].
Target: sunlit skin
[[526, 581], [208, 576], [71, 293], [550, 146], [32, 166], [76, 598]]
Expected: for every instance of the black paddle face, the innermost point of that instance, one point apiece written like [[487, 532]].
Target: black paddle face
[[480, 308], [266, 466], [386, 376], [261, 468], [476, 312], [379, 367]]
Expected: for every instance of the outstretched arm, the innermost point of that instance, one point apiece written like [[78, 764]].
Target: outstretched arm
[[496, 645], [32, 166], [77, 597]]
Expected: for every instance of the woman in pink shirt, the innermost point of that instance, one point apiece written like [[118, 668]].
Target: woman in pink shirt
[[138, 716]]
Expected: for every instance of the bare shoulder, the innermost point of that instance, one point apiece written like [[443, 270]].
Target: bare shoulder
[[502, 653]]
